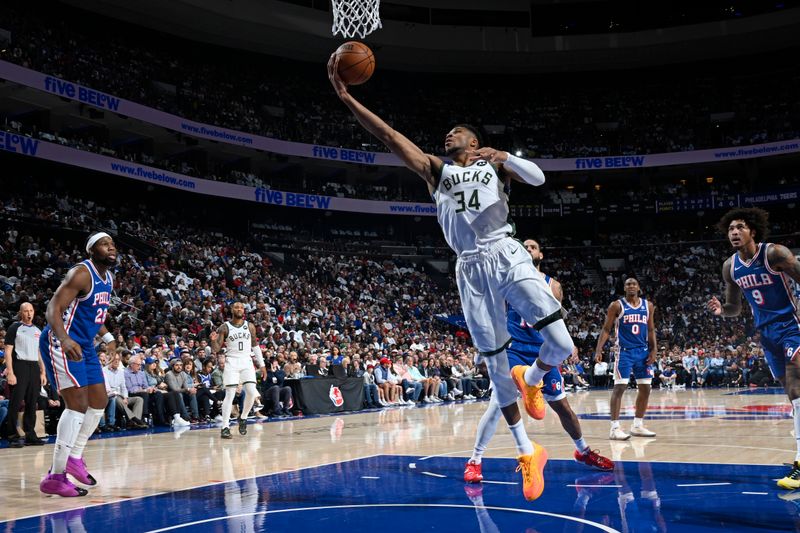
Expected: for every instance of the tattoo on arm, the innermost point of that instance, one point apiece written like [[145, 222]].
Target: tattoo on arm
[[217, 344], [781, 259]]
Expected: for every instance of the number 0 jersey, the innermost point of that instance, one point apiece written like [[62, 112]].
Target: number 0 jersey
[[768, 292], [632, 325], [471, 206], [238, 344]]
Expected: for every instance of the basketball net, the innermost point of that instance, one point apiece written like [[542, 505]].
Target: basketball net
[[353, 18]]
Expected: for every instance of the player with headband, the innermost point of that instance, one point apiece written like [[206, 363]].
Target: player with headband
[[75, 316]]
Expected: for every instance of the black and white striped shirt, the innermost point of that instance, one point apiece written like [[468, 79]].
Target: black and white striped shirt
[[25, 340]]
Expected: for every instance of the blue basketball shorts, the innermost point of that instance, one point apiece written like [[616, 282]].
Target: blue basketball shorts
[[66, 373], [526, 354], [781, 343], [633, 360]]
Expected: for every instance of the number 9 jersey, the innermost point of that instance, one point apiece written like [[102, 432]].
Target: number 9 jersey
[[767, 291], [471, 206]]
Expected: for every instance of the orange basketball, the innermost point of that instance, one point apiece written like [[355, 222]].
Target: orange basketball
[[356, 62]]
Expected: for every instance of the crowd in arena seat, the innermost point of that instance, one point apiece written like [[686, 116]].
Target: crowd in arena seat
[[569, 117], [373, 316]]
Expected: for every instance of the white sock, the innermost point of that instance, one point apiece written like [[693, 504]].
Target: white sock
[[534, 374], [614, 425], [227, 405], [250, 395], [796, 420], [638, 422], [69, 425], [90, 421], [580, 444], [524, 446], [486, 428]]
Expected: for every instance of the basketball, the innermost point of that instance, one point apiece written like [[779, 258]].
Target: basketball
[[356, 62]]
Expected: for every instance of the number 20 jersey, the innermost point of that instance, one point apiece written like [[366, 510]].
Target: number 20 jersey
[[471, 206], [767, 291]]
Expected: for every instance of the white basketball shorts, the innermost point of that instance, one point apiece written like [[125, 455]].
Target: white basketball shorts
[[238, 370], [503, 272]]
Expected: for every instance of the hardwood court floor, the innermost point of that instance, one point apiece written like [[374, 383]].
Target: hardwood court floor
[[709, 426]]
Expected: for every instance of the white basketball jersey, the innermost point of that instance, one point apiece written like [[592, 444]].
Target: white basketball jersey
[[471, 206], [238, 343]]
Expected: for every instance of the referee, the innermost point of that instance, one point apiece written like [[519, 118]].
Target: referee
[[25, 374]]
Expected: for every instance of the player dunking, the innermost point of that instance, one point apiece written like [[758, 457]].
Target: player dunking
[[762, 272], [240, 341], [492, 267], [75, 315], [636, 336], [524, 349]]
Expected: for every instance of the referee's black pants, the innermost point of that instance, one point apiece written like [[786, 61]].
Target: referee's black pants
[[29, 383]]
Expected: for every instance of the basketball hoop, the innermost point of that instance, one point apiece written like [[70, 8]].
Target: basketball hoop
[[353, 18]]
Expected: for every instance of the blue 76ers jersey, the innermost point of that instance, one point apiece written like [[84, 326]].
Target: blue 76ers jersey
[[632, 325], [85, 315], [768, 292], [521, 331]]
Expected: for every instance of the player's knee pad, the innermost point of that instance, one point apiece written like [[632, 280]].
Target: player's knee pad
[[493, 412], [250, 389], [557, 344], [504, 389]]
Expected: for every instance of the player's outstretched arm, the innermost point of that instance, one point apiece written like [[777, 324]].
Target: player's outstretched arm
[[425, 165], [733, 295], [77, 280], [781, 259], [605, 331]]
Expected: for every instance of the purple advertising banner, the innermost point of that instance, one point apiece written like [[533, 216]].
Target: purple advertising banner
[[23, 145], [100, 100]]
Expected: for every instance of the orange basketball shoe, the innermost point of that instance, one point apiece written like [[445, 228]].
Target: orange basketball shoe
[[532, 395], [532, 467], [472, 473]]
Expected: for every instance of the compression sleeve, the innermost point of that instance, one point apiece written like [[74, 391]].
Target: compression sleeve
[[259, 356], [527, 170]]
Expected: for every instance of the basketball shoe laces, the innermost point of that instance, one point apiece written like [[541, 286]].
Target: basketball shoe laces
[[595, 459], [795, 473], [527, 478]]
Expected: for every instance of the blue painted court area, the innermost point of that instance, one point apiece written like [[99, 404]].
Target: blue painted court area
[[408, 494]]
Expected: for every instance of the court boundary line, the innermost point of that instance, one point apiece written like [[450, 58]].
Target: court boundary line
[[203, 485], [596, 525]]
